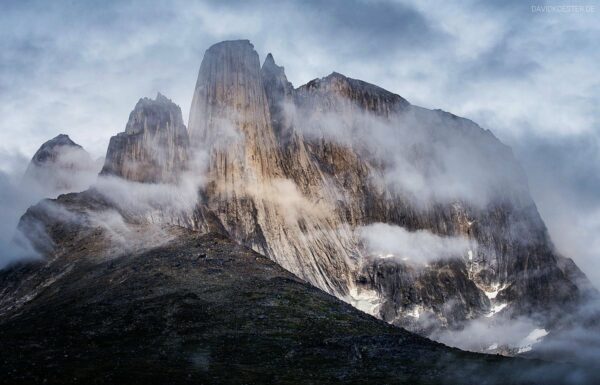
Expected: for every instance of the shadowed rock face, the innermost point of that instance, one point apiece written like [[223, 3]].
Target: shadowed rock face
[[153, 148], [180, 308], [288, 185], [60, 165]]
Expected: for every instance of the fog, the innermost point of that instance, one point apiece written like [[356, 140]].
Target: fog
[[426, 156], [25, 184], [420, 247]]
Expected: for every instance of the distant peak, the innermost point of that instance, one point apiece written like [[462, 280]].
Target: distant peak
[[336, 75], [159, 101], [162, 98], [60, 140], [154, 113], [269, 60], [273, 74], [49, 150], [270, 66]]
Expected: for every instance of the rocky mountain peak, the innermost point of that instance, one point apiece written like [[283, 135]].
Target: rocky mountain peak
[[300, 184], [274, 79], [60, 165], [155, 114], [153, 147], [50, 149], [229, 99], [337, 88], [162, 98], [270, 68], [280, 92]]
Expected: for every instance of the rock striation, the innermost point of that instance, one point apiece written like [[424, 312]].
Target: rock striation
[[154, 146], [294, 173], [248, 188]]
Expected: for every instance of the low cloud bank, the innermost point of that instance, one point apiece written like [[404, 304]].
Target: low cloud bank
[[421, 246], [22, 187], [427, 156]]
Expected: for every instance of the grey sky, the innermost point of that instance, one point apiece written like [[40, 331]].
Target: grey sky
[[78, 67]]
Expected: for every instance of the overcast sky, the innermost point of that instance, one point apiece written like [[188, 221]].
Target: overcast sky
[[528, 73]]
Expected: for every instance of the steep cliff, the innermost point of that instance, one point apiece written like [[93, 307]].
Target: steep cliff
[[298, 173], [247, 186], [153, 147]]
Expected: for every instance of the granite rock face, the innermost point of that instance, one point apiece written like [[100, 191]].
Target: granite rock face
[[301, 170], [153, 148], [248, 188]]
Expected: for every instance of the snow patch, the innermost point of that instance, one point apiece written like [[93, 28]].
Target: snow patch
[[365, 300], [414, 312], [496, 288], [496, 309], [532, 338]]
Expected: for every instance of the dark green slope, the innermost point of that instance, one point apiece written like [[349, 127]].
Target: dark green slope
[[202, 309]]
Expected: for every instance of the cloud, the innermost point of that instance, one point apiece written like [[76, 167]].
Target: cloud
[[425, 156], [421, 246], [13, 203], [490, 334], [532, 79], [72, 170], [565, 180]]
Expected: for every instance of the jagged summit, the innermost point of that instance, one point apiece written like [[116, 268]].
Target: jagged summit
[[162, 98], [269, 60], [228, 89], [155, 114], [270, 67], [274, 76], [60, 165], [279, 92], [153, 147], [368, 96], [49, 150]]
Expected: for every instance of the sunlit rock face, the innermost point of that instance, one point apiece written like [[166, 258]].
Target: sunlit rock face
[[153, 148], [249, 186], [60, 165], [296, 173]]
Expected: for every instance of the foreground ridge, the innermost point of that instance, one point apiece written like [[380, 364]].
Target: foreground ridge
[[203, 309]]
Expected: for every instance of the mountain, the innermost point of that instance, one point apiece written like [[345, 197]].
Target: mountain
[[178, 307], [302, 174], [417, 217], [153, 147], [58, 166]]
